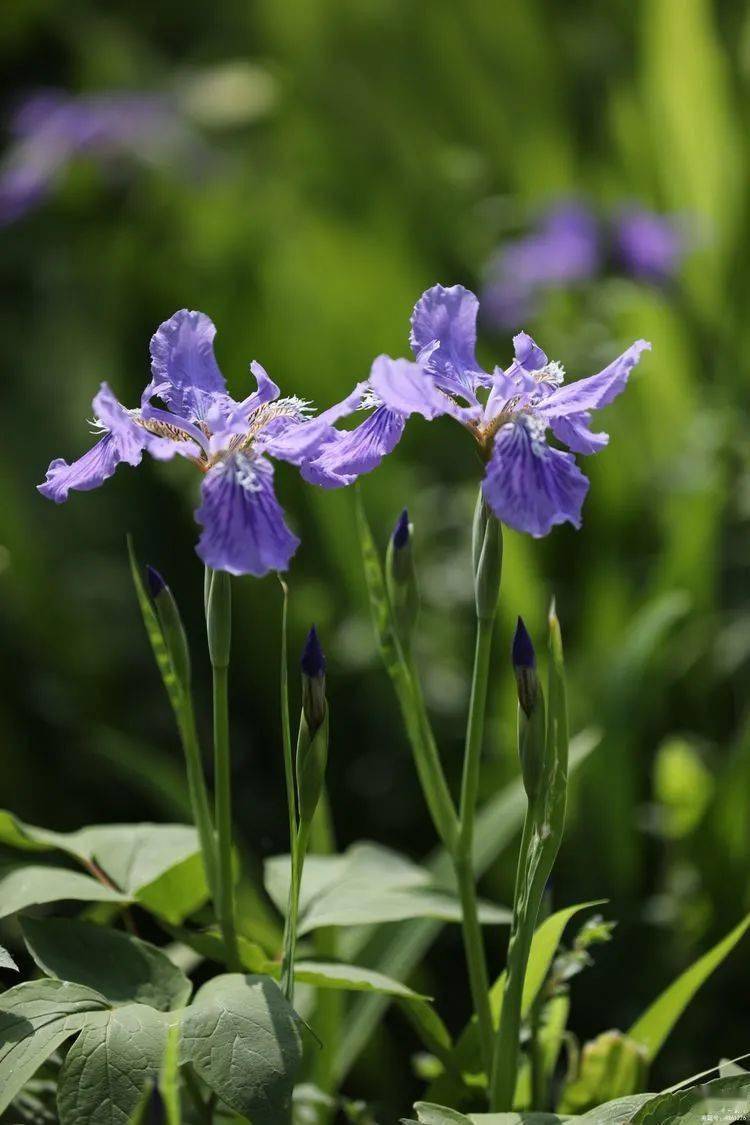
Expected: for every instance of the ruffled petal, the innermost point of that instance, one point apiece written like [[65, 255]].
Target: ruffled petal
[[529, 485], [297, 440], [596, 391], [184, 371], [528, 354], [244, 531], [574, 432], [449, 315], [124, 440], [354, 452]]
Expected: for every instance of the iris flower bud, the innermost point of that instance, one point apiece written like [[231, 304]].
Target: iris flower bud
[[487, 557], [532, 734], [312, 740], [524, 666], [401, 580], [173, 631], [219, 618]]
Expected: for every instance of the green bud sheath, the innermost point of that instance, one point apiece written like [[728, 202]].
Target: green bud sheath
[[401, 581], [219, 619], [174, 635], [312, 757], [487, 558], [532, 743]]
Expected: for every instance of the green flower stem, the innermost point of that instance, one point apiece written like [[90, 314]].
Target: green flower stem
[[222, 767], [299, 851], [286, 726], [505, 1063], [472, 931], [426, 755]]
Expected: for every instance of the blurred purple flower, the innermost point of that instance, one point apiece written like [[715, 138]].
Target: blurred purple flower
[[244, 531], [52, 128], [564, 248], [528, 484], [646, 245]]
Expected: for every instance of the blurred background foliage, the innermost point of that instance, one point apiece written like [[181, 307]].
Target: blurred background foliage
[[344, 155]]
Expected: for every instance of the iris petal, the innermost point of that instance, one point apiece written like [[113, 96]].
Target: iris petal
[[185, 374]]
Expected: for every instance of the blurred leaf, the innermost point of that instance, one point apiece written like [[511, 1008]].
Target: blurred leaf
[[612, 1066], [682, 785], [239, 1028], [724, 1099], [367, 885], [352, 978], [6, 961], [119, 966], [656, 1023]]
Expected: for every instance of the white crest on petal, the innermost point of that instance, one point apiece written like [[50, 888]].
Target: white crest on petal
[[536, 429], [553, 373]]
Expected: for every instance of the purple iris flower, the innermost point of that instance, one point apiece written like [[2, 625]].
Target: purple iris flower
[[648, 246], [564, 248], [52, 128], [244, 530], [529, 484]]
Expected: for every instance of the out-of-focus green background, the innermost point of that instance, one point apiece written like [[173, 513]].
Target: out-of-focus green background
[[353, 153]]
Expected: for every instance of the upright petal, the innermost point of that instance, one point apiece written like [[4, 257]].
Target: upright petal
[[123, 440], [529, 485], [244, 531], [596, 391], [573, 430], [184, 370], [449, 315], [354, 452]]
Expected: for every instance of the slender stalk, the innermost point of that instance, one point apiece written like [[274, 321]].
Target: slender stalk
[[426, 754], [225, 906], [197, 789], [286, 726], [298, 859], [472, 931]]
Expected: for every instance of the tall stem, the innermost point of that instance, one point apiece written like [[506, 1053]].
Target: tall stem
[[472, 932], [286, 726], [222, 767], [219, 629], [299, 850]]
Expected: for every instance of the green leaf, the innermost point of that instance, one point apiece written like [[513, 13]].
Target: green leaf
[[24, 885], [438, 1115], [724, 1099], [158, 865], [6, 961], [617, 1112], [121, 967], [35, 1019], [368, 884], [169, 1079], [112, 1062], [656, 1023], [398, 950], [351, 978], [612, 1066], [210, 944], [242, 1038]]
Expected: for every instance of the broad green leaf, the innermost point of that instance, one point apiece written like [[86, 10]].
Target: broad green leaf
[[612, 1066], [438, 1115], [121, 967], [35, 1019], [6, 961], [618, 1112], [723, 1100], [368, 884], [656, 1023], [24, 885], [351, 978], [242, 1038], [398, 950], [112, 1062], [158, 865]]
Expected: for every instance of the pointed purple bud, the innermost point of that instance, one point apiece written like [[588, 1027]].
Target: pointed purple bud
[[313, 682], [313, 659], [523, 648], [155, 581], [402, 531]]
